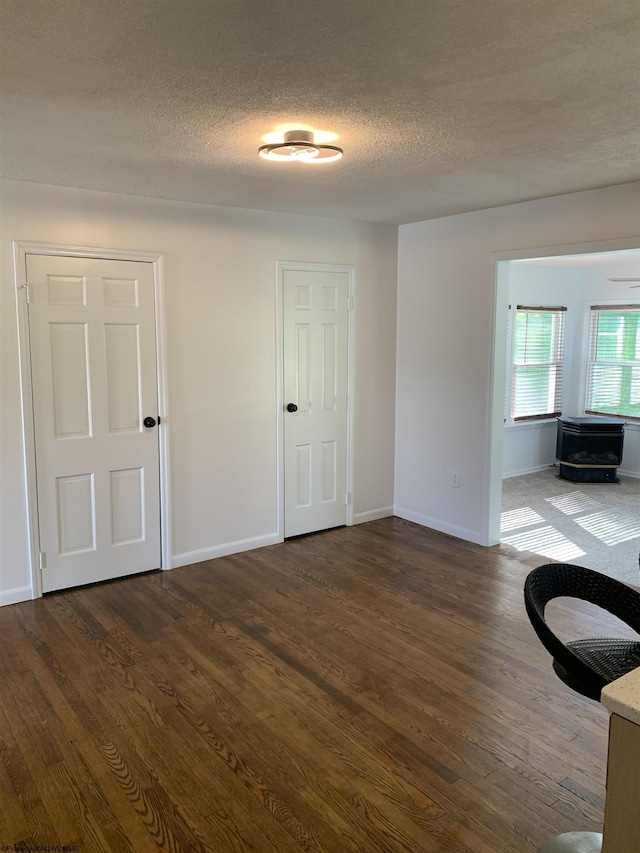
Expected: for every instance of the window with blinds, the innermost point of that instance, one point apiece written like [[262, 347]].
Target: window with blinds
[[538, 358], [613, 372]]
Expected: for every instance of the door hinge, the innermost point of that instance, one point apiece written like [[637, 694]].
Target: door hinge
[[42, 560], [25, 287], [347, 499], [351, 303]]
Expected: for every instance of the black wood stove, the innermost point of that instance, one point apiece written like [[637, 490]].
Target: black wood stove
[[589, 449]]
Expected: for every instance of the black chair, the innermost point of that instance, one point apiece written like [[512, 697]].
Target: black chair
[[585, 665]]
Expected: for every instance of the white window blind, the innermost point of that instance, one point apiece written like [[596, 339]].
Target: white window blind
[[613, 373], [538, 358]]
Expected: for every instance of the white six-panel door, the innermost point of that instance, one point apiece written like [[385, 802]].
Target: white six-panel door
[[315, 323], [94, 377]]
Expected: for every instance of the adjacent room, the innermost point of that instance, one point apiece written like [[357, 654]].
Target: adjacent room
[[573, 331], [268, 498]]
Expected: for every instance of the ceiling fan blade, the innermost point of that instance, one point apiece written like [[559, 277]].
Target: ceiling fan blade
[[623, 279]]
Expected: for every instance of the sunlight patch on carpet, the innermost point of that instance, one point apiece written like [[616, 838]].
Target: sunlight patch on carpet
[[573, 502], [546, 541], [610, 527], [515, 518]]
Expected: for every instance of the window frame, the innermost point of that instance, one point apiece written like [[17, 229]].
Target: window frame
[[594, 310], [512, 366]]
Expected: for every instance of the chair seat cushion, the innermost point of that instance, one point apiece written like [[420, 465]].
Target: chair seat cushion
[[608, 658]]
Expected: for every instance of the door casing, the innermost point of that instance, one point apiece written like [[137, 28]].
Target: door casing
[[20, 252], [281, 266]]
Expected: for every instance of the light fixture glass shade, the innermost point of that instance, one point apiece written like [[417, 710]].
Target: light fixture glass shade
[[299, 145]]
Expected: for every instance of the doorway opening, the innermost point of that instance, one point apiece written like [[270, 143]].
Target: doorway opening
[[533, 510]]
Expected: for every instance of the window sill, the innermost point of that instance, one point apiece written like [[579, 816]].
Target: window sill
[[631, 426], [532, 424]]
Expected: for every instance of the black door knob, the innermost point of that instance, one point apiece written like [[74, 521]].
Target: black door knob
[[292, 407], [149, 422]]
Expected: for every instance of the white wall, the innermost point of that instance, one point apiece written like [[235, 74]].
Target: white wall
[[532, 446], [446, 308], [221, 339]]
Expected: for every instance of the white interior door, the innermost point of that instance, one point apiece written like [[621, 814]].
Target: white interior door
[[94, 377], [315, 356]]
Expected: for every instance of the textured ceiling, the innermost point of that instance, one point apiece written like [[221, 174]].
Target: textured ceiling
[[442, 106]]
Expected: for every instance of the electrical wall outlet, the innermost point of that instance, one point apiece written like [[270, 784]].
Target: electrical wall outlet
[[455, 480]]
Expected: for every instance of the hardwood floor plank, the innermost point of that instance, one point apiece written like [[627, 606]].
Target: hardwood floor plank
[[374, 689], [321, 748], [512, 717], [120, 798], [23, 810]]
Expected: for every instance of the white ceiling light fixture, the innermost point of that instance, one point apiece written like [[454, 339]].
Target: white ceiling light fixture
[[300, 145]]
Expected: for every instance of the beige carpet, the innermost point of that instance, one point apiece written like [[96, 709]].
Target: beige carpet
[[591, 524]]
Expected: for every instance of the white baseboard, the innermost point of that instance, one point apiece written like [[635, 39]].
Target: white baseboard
[[509, 474], [523, 471], [436, 524], [16, 595], [372, 514], [199, 556]]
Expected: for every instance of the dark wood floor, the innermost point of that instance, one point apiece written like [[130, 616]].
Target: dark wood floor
[[374, 688]]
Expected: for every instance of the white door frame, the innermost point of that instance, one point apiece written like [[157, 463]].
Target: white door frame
[[20, 251], [493, 499], [281, 266]]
